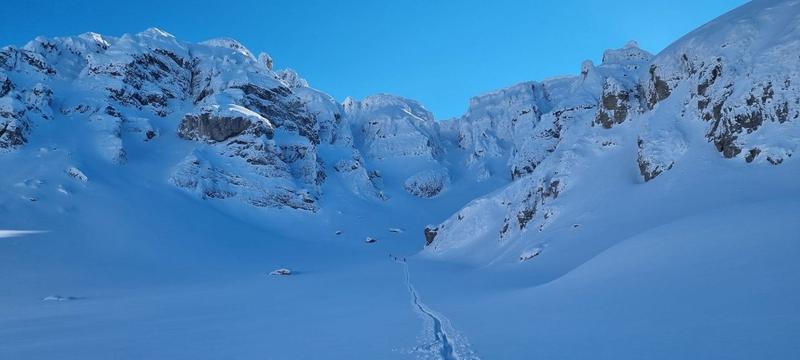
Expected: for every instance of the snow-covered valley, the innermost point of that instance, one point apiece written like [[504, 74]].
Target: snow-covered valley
[[643, 208]]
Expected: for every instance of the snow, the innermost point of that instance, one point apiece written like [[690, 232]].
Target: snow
[[16, 233], [59, 298], [608, 209]]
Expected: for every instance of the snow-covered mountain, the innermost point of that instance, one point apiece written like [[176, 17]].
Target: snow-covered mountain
[[730, 86], [267, 139], [150, 137]]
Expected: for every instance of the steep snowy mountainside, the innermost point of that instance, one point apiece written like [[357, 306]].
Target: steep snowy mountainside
[[520, 125], [731, 83], [261, 137], [389, 127], [400, 140], [739, 74], [257, 130], [545, 132]]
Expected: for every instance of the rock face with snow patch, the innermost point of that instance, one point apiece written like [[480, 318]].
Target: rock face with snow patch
[[739, 74], [391, 127], [730, 83], [427, 184], [214, 127]]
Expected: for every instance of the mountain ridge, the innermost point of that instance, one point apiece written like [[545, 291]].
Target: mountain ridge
[[267, 139]]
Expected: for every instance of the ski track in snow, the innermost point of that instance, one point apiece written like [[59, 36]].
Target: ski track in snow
[[447, 344]]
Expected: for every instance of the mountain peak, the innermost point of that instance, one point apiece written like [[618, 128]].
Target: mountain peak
[[156, 32], [229, 43]]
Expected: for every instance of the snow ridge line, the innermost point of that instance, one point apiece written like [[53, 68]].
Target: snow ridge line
[[448, 343]]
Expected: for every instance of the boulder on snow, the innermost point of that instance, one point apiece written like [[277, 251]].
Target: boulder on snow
[[59, 298], [530, 254], [281, 271], [430, 234], [77, 174]]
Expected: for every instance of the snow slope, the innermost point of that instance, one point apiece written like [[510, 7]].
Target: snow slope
[[643, 208]]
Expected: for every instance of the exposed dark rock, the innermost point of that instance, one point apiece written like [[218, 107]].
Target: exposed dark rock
[[14, 128], [7, 58], [552, 189], [150, 67], [524, 216], [767, 93], [5, 87], [284, 111], [218, 128], [285, 198], [648, 170], [77, 174], [271, 95], [203, 94], [504, 229], [547, 190], [321, 175], [255, 153], [750, 121], [774, 161], [782, 112], [706, 82], [138, 99], [530, 254], [426, 184], [752, 154], [347, 165], [726, 144], [177, 59], [430, 234], [659, 88], [614, 106], [36, 61], [518, 171]]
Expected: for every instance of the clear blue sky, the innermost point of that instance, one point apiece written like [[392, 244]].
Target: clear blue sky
[[438, 52]]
